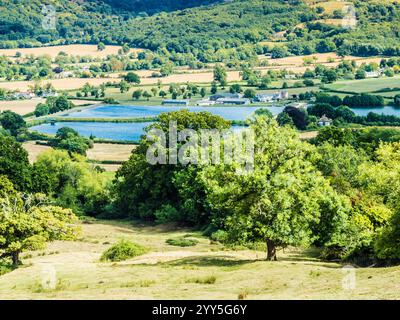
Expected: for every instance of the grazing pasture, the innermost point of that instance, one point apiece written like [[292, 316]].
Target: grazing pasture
[[206, 270], [366, 85]]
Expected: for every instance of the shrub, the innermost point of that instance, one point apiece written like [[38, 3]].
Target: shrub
[[206, 280], [166, 213], [182, 242], [220, 236], [123, 250]]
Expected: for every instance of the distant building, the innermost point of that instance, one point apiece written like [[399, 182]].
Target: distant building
[[215, 97], [265, 97], [284, 94], [64, 74], [269, 97], [23, 95], [324, 121], [49, 94], [205, 102], [298, 105], [290, 76], [373, 74], [239, 101], [176, 102]]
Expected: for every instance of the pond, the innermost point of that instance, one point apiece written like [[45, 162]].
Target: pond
[[102, 130], [388, 111], [117, 111]]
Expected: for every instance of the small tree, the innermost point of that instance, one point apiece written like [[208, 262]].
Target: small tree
[[27, 223], [203, 92], [214, 88], [162, 94], [137, 94], [146, 95], [220, 75], [154, 91], [123, 86], [11, 121], [249, 93], [132, 77], [101, 46]]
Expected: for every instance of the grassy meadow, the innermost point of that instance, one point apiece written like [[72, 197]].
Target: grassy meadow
[[205, 271]]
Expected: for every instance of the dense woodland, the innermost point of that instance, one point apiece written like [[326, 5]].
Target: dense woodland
[[217, 32]]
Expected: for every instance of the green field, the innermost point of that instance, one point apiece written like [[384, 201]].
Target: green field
[[205, 271], [367, 85]]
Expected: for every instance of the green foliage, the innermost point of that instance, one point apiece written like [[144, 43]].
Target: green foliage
[[132, 77], [70, 140], [123, 250], [53, 105], [182, 242], [14, 163], [165, 192], [12, 122], [71, 181], [28, 222], [277, 203]]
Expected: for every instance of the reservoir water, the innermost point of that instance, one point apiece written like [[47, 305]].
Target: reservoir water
[[118, 111], [133, 131], [102, 130]]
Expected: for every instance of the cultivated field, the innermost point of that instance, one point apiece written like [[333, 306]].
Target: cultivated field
[[73, 49], [110, 152], [206, 271], [24, 107]]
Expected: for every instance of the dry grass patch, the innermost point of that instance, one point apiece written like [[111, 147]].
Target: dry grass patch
[[21, 107], [73, 49], [190, 273], [331, 6], [34, 150], [110, 152]]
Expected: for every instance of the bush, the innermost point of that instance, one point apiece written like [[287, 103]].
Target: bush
[[123, 250], [182, 242], [166, 213], [206, 280], [220, 236]]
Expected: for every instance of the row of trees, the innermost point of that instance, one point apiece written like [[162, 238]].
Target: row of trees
[[298, 194], [338, 192]]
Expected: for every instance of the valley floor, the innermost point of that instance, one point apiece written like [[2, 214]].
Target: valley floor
[[206, 271]]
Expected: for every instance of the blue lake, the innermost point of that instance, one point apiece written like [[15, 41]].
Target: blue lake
[[388, 111], [228, 113], [133, 131], [103, 130]]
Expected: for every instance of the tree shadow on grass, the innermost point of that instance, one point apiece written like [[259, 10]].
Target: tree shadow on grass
[[207, 261]]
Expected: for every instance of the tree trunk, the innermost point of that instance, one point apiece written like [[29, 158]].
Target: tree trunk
[[15, 259], [271, 251]]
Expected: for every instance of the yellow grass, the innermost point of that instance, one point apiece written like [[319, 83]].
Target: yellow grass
[[21, 107], [73, 49], [335, 22], [34, 150], [107, 151], [168, 272], [100, 152], [331, 6]]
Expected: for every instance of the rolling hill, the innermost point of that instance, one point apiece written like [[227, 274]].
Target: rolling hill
[[207, 30]]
